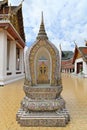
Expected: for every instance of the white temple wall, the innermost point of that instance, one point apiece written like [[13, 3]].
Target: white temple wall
[[84, 66], [77, 61], [9, 75]]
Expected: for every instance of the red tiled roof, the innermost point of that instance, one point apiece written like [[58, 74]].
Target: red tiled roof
[[84, 50], [64, 62], [67, 63], [68, 67]]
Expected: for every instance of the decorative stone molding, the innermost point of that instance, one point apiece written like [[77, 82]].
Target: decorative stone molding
[[42, 93], [32, 57]]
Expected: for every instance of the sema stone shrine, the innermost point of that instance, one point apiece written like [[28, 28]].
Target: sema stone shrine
[[42, 104]]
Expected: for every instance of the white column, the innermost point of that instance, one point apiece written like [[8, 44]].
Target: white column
[[69, 70], [75, 67], [3, 54], [22, 60], [12, 63]]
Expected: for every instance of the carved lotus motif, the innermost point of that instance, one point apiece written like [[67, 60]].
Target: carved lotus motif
[[42, 105]]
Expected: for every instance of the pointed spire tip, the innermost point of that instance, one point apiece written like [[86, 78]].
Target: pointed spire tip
[[42, 33], [42, 17]]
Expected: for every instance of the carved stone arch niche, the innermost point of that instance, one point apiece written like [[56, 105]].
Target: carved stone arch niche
[[43, 60], [44, 49]]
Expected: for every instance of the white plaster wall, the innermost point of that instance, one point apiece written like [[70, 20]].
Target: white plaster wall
[[4, 78], [84, 66], [77, 61]]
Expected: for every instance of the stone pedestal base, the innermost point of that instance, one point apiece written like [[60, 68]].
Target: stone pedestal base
[[45, 119], [43, 106]]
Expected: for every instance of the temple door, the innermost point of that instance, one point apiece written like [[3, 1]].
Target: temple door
[[43, 74], [79, 67]]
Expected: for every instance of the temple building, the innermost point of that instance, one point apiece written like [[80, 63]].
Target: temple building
[[67, 62], [43, 104], [80, 61], [12, 43]]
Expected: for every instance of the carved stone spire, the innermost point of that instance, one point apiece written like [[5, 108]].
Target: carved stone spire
[[42, 33]]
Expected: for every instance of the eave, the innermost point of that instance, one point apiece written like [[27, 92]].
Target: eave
[[12, 31], [68, 67]]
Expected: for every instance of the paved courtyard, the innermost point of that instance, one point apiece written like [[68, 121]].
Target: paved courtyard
[[74, 93]]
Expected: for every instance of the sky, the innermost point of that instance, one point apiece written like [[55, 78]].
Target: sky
[[65, 21]]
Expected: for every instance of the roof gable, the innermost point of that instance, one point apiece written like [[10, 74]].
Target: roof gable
[[80, 52], [14, 15], [83, 50]]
